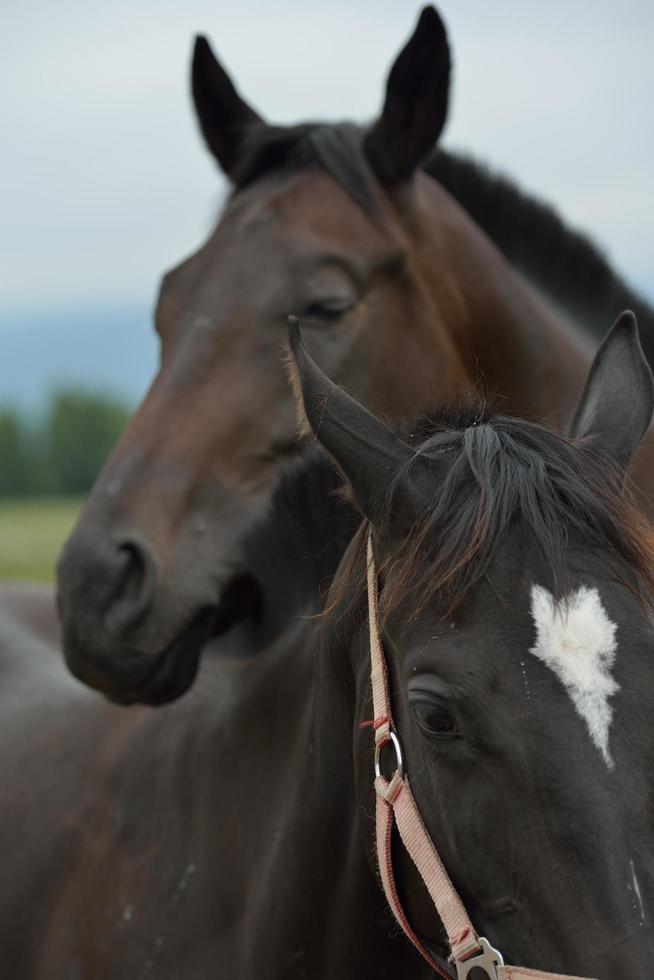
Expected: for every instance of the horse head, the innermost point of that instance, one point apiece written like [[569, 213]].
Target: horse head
[[516, 590], [325, 221]]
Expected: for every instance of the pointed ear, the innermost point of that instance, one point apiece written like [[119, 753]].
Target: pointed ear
[[616, 405], [367, 451], [223, 115], [415, 109]]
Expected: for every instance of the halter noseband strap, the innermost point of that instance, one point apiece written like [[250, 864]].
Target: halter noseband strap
[[396, 804]]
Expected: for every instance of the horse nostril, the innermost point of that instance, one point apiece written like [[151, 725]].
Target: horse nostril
[[136, 587]]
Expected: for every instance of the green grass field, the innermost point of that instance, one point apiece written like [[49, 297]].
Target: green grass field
[[31, 535]]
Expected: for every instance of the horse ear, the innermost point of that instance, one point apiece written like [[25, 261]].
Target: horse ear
[[367, 451], [617, 403], [223, 115], [415, 109]]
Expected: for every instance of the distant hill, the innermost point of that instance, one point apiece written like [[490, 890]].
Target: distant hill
[[102, 349]]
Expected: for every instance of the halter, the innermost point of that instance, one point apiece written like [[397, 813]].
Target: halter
[[395, 802]]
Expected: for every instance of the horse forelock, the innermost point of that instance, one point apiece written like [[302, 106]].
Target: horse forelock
[[506, 475], [336, 148]]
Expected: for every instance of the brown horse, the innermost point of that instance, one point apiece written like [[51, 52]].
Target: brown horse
[[230, 834], [402, 295]]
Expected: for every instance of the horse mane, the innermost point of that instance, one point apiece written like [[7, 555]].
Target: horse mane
[[565, 264], [505, 474]]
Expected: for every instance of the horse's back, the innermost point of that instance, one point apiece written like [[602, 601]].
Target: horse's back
[[31, 664], [49, 726], [32, 605], [120, 847]]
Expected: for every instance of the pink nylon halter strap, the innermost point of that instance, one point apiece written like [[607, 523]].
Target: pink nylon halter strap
[[396, 804]]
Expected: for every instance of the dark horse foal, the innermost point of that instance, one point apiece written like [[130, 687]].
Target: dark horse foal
[[231, 835], [401, 295], [517, 591]]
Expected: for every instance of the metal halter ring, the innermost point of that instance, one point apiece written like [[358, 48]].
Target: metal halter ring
[[399, 765]]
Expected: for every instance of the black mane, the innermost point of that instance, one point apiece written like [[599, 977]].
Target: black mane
[[565, 264], [503, 472]]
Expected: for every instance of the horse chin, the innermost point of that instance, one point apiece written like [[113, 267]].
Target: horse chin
[[175, 669]]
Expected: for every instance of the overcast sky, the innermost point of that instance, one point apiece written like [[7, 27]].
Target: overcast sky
[[105, 183]]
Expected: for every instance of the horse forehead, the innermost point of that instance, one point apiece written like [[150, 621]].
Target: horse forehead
[[284, 225], [309, 201]]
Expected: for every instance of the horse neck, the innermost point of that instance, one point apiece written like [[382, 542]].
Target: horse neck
[[511, 341], [316, 879], [562, 261]]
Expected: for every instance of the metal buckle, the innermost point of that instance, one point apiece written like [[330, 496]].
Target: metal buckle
[[488, 961], [399, 765]]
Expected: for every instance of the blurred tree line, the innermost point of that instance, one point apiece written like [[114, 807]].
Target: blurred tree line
[[62, 452]]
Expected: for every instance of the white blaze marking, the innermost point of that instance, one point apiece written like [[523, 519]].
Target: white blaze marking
[[576, 639]]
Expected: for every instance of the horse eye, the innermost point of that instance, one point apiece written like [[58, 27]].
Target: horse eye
[[328, 309], [434, 717]]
